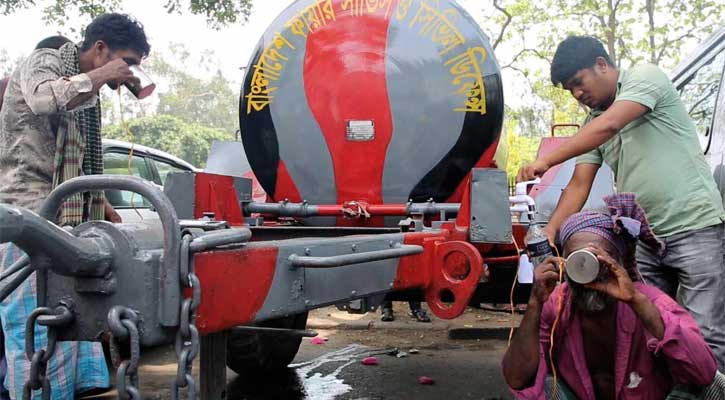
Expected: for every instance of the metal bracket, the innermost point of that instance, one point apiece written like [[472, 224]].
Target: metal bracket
[[397, 251], [490, 209]]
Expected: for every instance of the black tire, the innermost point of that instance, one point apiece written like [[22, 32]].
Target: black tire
[[259, 352]]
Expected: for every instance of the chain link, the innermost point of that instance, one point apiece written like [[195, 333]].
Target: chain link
[[187, 337], [125, 351], [53, 319]]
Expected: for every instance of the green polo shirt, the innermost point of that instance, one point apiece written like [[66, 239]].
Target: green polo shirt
[[658, 156]]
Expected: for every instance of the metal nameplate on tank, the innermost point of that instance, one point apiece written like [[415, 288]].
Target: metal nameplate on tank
[[360, 131]]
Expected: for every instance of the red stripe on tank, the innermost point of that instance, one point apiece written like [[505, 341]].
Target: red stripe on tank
[[285, 184], [344, 77]]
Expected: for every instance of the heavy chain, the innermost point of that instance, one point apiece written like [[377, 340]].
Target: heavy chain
[[187, 337], [52, 319], [125, 351]]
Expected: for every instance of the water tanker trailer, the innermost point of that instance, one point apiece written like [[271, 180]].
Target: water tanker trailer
[[372, 126]]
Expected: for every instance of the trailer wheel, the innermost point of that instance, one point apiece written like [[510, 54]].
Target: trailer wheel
[[252, 352]]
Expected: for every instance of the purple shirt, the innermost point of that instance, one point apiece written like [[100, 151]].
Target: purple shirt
[[644, 367]]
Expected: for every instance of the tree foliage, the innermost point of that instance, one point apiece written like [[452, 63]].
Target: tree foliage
[[189, 87], [525, 34], [632, 31], [7, 64], [516, 150], [191, 112], [208, 101], [189, 141], [218, 13]]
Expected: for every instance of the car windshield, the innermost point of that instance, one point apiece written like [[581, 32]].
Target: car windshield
[[123, 164]]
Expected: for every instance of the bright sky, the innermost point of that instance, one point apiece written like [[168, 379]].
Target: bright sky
[[232, 45]]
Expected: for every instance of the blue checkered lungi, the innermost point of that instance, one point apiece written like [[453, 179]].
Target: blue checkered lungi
[[75, 366]]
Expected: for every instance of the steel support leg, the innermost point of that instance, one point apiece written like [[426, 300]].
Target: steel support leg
[[213, 366]]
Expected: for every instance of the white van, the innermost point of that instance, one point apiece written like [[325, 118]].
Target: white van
[[699, 79]]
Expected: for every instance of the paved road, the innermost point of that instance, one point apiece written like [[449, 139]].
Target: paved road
[[461, 369]]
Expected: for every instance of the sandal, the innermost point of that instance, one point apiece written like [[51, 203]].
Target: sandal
[[420, 315], [387, 315]]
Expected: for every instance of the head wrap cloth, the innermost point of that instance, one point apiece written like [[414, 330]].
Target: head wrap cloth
[[625, 223]]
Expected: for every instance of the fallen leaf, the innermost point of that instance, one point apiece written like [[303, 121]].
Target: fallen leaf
[[369, 361], [426, 380]]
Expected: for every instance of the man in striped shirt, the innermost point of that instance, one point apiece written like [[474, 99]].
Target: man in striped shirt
[[49, 133]]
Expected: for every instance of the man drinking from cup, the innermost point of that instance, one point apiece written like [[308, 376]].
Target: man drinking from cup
[[614, 337]]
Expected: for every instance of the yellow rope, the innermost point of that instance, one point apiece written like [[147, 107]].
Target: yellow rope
[[559, 310], [511, 296], [129, 135]]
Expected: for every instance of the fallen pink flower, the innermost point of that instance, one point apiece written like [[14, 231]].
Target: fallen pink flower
[[426, 380], [370, 361], [317, 340]]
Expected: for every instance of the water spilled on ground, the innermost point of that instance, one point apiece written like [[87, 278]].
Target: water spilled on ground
[[317, 379]]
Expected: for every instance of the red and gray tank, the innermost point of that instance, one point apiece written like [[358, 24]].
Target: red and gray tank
[[382, 101]]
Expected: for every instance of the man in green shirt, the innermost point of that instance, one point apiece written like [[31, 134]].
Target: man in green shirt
[[641, 129]]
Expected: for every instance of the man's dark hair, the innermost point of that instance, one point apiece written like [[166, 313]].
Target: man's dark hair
[[576, 53], [52, 42], [119, 32]]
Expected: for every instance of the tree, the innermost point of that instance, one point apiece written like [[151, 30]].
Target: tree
[[7, 63], [208, 101], [527, 32], [191, 111], [632, 31], [518, 150], [188, 141], [694, 19], [218, 13]]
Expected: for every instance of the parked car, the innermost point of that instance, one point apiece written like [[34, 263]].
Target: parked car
[[699, 79], [124, 158]]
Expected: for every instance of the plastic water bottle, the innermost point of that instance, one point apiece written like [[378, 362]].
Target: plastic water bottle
[[537, 243], [526, 270]]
